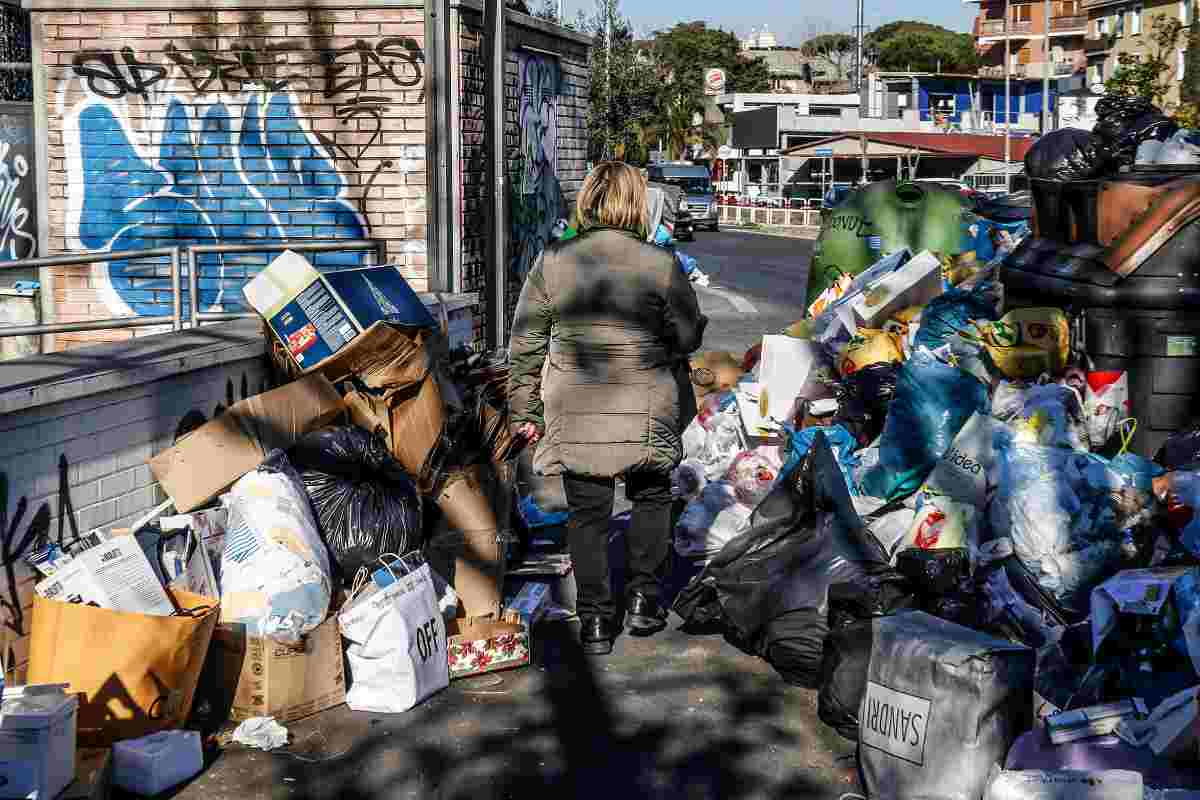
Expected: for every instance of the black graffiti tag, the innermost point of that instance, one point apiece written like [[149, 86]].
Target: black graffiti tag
[[246, 65], [106, 77], [398, 59]]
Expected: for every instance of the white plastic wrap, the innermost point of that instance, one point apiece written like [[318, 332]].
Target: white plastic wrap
[[1052, 415], [710, 521], [275, 573], [1057, 506]]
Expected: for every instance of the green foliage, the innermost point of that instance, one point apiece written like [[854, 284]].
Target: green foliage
[[623, 87], [1151, 75], [682, 53], [925, 49], [884, 32], [1190, 89], [833, 50], [681, 123]]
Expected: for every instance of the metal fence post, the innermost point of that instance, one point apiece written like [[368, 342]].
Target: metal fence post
[[193, 289], [176, 292]]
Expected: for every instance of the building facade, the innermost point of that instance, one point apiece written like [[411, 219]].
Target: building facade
[[269, 122], [1040, 44], [1119, 27]]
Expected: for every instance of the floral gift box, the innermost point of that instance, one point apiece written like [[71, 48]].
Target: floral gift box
[[485, 644]]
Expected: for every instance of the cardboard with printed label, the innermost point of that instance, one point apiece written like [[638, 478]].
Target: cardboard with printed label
[[915, 284], [287, 682], [315, 315], [942, 706]]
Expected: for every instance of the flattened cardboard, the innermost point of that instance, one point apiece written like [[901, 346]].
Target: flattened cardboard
[[478, 565], [287, 682], [210, 459]]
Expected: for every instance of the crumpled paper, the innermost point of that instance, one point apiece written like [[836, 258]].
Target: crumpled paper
[[263, 733]]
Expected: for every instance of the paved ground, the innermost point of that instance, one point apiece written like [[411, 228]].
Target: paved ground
[[758, 285], [673, 716]]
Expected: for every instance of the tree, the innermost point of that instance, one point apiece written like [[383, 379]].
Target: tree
[[1189, 90], [926, 49], [682, 53], [623, 86], [1149, 76], [548, 11], [833, 50], [680, 124]]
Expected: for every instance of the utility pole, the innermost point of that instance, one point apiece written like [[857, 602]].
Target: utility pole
[[1046, 68], [1007, 97], [560, 12], [858, 38], [609, 9]]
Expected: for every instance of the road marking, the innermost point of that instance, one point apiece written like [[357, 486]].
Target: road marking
[[737, 301]]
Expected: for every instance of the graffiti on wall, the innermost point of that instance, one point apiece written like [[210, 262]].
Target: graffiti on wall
[[537, 201], [18, 233], [205, 148]]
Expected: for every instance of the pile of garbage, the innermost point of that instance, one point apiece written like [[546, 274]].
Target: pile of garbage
[[922, 504], [358, 511]]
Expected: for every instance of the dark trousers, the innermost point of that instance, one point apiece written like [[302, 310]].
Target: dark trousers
[[647, 542]]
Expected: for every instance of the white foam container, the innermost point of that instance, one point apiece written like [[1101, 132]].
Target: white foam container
[[37, 741]]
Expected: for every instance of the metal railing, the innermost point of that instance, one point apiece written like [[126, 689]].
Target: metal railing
[[199, 317], [1068, 23], [112, 323], [176, 257]]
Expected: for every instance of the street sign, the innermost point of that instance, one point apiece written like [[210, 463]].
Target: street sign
[[823, 152], [714, 82]]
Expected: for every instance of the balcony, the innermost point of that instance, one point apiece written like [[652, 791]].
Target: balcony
[[1017, 71], [1094, 45], [1068, 25], [995, 27]]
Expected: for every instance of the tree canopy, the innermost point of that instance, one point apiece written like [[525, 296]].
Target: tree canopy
[[920, 47], [833, 50]]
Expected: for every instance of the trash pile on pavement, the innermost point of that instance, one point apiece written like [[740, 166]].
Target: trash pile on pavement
[[966, 516], [341, 538]]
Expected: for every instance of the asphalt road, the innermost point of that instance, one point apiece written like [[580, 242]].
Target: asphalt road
[[757, 285]]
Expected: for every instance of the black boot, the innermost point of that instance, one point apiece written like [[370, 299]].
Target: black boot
[[596, 637], [644, 615]]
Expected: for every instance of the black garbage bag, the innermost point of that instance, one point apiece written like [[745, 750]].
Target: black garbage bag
[[1123, 123], [1181, 450], [767, 589], [1067, 154], [942, 579], [365, 503], [863, 400], [847, 648]]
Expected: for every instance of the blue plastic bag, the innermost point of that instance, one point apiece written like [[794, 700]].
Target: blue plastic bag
[[533, 516], [950, 314], [841, 442], [686, 262], [932, 403], [985, 230]]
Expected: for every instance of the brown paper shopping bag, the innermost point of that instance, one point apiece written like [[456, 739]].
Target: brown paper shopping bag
[[137, 672]]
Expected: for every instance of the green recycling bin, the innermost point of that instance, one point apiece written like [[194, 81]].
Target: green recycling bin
[[882, 218]]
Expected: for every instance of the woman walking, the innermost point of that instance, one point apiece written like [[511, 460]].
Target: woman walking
[[599, 384]]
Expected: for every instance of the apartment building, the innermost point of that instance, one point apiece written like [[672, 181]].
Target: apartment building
[[1039, 44], [1125, 26]]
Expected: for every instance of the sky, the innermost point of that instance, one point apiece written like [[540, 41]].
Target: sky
[[792, 21]]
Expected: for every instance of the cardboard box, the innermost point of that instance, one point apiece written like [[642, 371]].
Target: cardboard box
[[315, 315], [211, 458], [287, 682], [1145, 592], [782, 374], [479, 645], [914, 284], [402, 400]]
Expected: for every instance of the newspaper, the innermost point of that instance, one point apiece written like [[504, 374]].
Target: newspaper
[[116, 575], [203, 567]]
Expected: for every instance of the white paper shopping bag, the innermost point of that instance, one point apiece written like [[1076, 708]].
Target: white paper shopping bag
[[397, 654]]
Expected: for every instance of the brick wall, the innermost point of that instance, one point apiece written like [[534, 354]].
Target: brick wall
[[204, 126], [104, 440]]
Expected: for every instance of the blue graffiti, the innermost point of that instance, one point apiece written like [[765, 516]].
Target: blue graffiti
[[231, 174]]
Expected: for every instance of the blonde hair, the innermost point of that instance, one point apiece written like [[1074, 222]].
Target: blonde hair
[[613, 196]]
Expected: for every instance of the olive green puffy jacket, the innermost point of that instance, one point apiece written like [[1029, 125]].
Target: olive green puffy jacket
[[599, 351]]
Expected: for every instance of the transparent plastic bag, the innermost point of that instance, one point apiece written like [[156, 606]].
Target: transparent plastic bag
[[711, 521], [275, 571]]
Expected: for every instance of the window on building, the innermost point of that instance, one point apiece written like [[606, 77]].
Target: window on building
[[1180, 65], [1067, 8], [1119, 24], [1183, 12], [1022, 13], [941, 103], [824, 111], [1102, 26], [1135, 20]]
